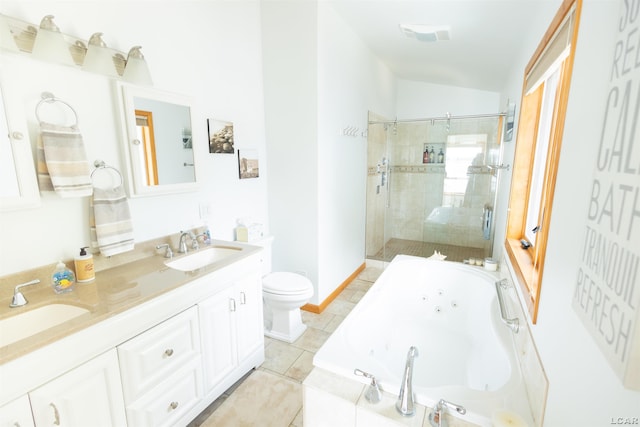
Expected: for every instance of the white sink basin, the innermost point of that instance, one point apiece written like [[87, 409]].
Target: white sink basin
[[28, 323], [202, 258]]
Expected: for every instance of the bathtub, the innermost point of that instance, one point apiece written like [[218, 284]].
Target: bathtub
[[450, 312]]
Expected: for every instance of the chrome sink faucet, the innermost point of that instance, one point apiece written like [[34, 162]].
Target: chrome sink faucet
[[405, 404], [18, 299], [182, 244], [168, 252]]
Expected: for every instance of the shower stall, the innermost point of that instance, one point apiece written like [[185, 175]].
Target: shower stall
[[431, 186]]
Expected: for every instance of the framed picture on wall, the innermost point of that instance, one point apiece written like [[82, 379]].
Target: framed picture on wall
[[248, 164], [220, 136]]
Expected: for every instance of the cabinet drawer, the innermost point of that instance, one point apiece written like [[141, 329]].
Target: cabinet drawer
[[16, 413], [149, 358], [169, 402]]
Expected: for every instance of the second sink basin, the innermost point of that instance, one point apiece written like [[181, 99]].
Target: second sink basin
[[28, 323], [202, 258]]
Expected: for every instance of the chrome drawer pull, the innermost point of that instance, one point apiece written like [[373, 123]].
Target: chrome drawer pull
[[173, 405], [168, 352], [243, 298]]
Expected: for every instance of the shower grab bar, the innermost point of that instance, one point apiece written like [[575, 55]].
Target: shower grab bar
[[514, 323]]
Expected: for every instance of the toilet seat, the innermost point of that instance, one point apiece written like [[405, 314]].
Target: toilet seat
[[286, 283]]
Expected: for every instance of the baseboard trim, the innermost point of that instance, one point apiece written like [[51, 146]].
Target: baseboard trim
[[320, 308]]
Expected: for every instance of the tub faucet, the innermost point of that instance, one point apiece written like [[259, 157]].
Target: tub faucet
[[436, 418], [404, 404], [374, 391]]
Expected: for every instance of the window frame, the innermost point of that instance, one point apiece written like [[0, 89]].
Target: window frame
[[528, 264]]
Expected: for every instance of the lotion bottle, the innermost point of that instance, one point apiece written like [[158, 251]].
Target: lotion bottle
[[84, 266]]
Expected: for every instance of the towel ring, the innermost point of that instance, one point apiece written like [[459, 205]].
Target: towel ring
[[100, 165], [50, 98]]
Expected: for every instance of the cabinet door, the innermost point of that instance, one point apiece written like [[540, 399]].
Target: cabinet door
[[217, 326], [89, 395], [249, 315], [16, 413]]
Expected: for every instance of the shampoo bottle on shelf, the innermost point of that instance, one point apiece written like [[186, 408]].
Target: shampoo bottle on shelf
[[84, 266], [425, 155], [441, 156], [62, 279]]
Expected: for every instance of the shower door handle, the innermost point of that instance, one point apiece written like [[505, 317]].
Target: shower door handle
[[487, 215], [388, 201]]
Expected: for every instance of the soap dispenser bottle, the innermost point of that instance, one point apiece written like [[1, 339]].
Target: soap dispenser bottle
[[62, 279], [84, 266]]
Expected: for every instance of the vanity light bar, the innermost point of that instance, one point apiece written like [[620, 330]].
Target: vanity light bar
[[19, 35]]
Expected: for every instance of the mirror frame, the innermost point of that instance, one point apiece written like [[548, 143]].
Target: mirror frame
[[18, 136], [136, 182]]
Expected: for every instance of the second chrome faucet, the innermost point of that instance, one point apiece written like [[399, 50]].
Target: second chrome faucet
[[405, 403]]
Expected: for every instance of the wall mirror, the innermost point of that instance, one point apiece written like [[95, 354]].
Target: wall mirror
[[18, 182], [157, 141]]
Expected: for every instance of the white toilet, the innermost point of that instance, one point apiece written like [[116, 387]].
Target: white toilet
[[283, 294]]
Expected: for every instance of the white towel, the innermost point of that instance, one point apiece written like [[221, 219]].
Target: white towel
[[110, 223], [62, 161]]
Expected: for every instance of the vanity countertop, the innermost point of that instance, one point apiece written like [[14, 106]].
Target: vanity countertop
[[114, 291]]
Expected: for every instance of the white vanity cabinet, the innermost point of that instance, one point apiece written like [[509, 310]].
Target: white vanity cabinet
[[160, 363], [16, 413], [231, 330], [89, 395], [161, 371]]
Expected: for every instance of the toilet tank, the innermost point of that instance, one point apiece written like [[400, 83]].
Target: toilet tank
[[266, 244]]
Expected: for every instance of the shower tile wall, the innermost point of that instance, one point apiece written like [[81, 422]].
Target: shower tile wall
[[416, 188]]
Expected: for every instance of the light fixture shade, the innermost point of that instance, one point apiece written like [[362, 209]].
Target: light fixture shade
[[99, 58], [136, 70], [7, 41], [50, 44]]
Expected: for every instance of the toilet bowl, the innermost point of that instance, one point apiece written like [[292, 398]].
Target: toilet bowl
[[283, 294]]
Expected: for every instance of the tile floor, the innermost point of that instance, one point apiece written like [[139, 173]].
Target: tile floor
[[290, 363], [394, 247]]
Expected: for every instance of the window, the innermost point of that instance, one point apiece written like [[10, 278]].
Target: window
[[535, 166]]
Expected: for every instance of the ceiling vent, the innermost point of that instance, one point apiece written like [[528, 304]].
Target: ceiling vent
[[426, 33]]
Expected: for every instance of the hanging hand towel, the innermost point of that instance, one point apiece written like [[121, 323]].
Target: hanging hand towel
[[62, 161], [110, 221]]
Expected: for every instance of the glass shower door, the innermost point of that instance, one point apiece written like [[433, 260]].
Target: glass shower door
[[441, 179], [462, 224]]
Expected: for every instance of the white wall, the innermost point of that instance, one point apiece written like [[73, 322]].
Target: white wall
[[351, 82], [316, 84], [583, 389], [209, 51], [422, 100], [289, 40]]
